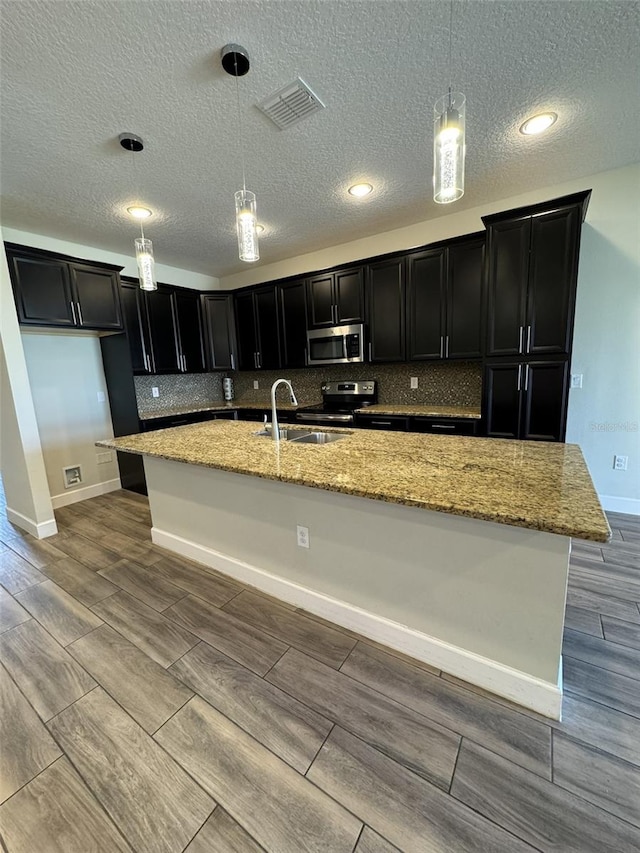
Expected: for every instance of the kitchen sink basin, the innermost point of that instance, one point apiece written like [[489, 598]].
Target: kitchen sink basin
[[304, 436]]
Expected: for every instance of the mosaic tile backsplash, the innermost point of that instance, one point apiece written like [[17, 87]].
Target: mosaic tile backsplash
[[175, 391], [456, 383]]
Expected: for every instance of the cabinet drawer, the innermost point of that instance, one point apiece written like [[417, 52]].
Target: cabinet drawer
[[445, 426], [389, 422], [181, 420]]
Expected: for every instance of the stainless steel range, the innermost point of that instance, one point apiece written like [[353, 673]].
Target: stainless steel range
[[339, 401]]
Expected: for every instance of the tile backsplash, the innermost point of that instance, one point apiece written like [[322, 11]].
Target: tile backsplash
[[452, 383], [185, 389]]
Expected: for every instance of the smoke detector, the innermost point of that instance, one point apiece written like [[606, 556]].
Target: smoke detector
[[291, 104]]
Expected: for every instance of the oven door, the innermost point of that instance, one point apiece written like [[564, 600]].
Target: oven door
[[337, 345]]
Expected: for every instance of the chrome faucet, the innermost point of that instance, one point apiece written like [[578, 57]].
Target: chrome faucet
[[275, 429]]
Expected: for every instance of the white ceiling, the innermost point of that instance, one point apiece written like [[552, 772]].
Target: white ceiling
[[76, 74]]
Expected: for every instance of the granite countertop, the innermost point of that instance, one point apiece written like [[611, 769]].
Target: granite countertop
[[221, 406], [430, 411], [538, 485]]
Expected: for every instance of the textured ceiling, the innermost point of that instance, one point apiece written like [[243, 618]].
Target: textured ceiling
[[76, 74]]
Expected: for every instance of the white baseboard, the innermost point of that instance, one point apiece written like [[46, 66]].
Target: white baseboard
[[519, 687], [40, 531], [631, 506], [75, 495]]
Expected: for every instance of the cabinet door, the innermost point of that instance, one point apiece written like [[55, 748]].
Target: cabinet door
[[502, 401], [293, 315], [321, 301], [394, 423], [136, 327], [465, 303], [218, 331], [97, 296], [385, 310], [508, 266], [268, 328], [553, 270], [544, 386], [426, 295], [189, 322], [42, 291], [349, 296], [164, 341], [246, 331]]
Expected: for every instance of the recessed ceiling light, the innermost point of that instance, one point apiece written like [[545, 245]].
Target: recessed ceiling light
[[360, 190], [139, 212], [536, 124]]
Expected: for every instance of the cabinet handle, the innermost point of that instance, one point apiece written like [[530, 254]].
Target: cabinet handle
[[370, 351], [526, 377], [443, 426], [184, 363], [528, 338], [519, 376], [73, 313], [306, 357], [258, 356], [520, 340], [441, 346], [381, 423], [233, 362], [148, 360], [255, 360], [81, 321], [446, 347]]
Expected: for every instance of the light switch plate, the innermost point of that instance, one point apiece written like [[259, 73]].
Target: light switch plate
[[414, 382], [155, 391], [101, 397], [256, 384], [576, 380]]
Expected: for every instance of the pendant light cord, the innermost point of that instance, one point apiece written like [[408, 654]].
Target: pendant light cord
[[235, 63], [450, 38], [135, 181]]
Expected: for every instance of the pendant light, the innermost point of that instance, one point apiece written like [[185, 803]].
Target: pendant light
[[449, 140], [143, 247], [235, 61]]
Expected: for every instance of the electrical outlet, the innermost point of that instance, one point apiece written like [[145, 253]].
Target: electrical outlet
[[576, 380], [155, 391], [256, 384], [72, 476], [101, 397], [414, 382], [303, 536], [620, 463]]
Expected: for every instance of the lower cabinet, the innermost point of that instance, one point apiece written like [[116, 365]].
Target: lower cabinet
[[150, 424], [444, 426], [526, 400], [397, 423]]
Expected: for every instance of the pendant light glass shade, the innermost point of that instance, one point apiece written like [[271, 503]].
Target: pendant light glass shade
[[246, 225], [146, 264], [449, 148]]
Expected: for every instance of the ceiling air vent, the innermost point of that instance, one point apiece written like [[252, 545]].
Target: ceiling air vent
[[291, 104]]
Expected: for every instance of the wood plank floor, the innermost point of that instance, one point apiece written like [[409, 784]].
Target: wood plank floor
[[152, 704]]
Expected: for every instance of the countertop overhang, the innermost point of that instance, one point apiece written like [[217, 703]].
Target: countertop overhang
[[537, 485]]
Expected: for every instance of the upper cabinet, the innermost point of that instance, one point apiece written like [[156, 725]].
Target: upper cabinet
[[218, 324], [335, 298], [385, 303], [293, 320], [532, 276], [445, 300], [55, 290], [258, 328]]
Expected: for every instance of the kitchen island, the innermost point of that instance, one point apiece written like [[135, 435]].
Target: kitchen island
[[453, 550]]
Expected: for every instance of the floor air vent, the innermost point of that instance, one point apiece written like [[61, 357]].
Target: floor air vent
[[291, 104]]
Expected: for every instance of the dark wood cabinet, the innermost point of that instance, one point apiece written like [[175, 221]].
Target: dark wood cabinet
[[336, 298], [532, 276], [526, 400], [136, 325], [258, 329], [165, 356], [396, 423], [56, 290], [385, 310], [218, 323], [189, 328], [444, 426], [293, 320], [445, 300]]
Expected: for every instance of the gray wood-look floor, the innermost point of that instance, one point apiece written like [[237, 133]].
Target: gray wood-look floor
[[150, 704]]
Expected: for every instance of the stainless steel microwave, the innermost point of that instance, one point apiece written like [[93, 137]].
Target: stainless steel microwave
[[336, 345]]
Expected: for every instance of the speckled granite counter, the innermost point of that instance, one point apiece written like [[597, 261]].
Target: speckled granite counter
[[423, 411], [536, 485]]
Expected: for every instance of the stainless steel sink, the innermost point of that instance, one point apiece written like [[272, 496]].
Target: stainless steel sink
[[303, 436]]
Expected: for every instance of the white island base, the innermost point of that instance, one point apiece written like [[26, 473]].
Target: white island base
[[481, 601]]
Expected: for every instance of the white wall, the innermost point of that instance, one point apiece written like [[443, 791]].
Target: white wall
[[66, 376], [606, 340], [165, 274], [21, 461]]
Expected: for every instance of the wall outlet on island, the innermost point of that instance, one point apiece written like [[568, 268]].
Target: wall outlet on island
[[256, 384], [576, 380], [414, 382], [155, 391], [620, 463], [303, 536]]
